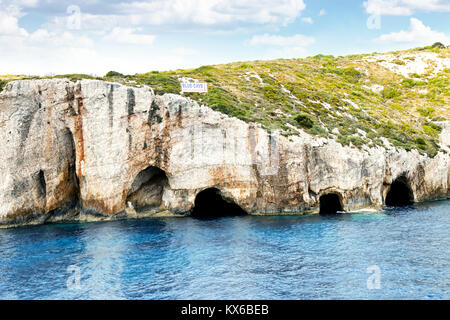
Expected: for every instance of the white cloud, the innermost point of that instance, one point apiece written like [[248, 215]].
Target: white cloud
[[9, 21], [12, 36], [418, 33], [26, 3], [56, 39], [286, 53], [9, 25], [19, 3], [212, 12], [283, 47], [297, 40], [308, 20], [322, 12], [405, 7], [98, 45], [129, 36], [53, 49], [43, 53], [184, 51]]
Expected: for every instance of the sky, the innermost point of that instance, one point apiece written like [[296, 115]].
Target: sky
[[45, 37]]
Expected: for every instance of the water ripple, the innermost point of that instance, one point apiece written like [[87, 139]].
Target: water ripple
[[310, 257]]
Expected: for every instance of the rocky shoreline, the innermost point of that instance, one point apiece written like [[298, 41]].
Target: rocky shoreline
[[94, 150]]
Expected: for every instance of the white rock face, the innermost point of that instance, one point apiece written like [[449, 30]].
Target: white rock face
[[98, 150]]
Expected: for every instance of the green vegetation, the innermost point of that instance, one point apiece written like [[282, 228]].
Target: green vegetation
[[389, 93], [319, 95], [411, 83], [2, 84], [438, 45], [399, 62], [304, 121], [426, 112], [76, 77], [112, 74], [160, 82]]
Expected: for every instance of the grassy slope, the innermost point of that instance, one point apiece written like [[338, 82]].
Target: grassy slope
[[313, 94]]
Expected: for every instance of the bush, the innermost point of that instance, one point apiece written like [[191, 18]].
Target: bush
[[426, 112], [223, 101], [273, 95], [161, 83], [205, 71], [421, 141], [304, 120], [114, 74], [75, 77], [429, 130], [438, 45], [245, 66], [319, 131], [440, 82], [349, 74], [399, 62], [409, 83], [2, 84], [389, 93], [322, 56], [397, 107]]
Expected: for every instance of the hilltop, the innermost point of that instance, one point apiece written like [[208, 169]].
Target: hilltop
[[396, 99]]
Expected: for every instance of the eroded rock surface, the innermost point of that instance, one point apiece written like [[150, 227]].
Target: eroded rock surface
[[94, 150]]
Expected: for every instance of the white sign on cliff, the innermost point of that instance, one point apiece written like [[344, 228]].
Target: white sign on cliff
[[194, 87]]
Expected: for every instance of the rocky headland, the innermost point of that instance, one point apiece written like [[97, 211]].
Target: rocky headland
[[97, 150]]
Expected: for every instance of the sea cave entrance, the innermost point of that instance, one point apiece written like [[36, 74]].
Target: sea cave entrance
[[147, 189], [330, 204], [42, 184], [400, 193], [210, 203]]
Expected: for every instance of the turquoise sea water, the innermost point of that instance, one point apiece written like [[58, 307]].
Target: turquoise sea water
[[309, 257]]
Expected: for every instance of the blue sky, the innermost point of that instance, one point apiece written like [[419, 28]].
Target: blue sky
[[95, 36]]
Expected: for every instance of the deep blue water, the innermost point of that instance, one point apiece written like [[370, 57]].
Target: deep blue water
[[309, 257]]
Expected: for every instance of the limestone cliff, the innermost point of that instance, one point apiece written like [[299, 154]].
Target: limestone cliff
[[99, 150]]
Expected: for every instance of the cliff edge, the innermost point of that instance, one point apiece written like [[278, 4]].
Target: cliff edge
[[92, 149]]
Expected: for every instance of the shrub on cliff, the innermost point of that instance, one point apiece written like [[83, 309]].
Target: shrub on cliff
[[438, 45], [76, 76], [223, 101], [160, 82], [319, 94], [390, 93], [304, 120], [410, 83], [348, 74], [112, 74], [2, 85]]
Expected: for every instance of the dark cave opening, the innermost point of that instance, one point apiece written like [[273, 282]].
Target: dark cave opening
[[147, 189], [400, 193], [330, 204], [209, 203], [72, 170], [42, 184]]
